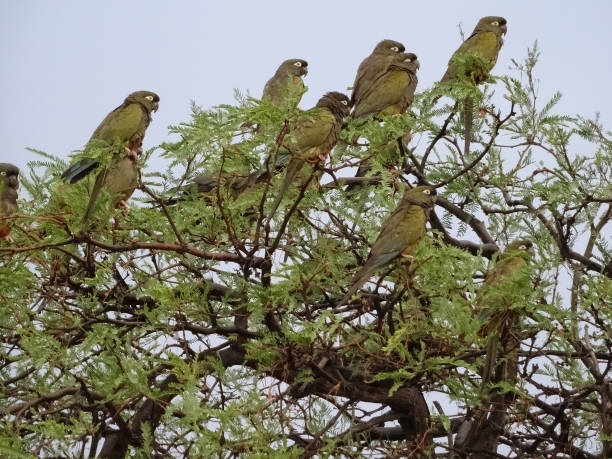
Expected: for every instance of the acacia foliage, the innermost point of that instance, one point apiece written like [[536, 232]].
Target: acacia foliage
[[199, 328]]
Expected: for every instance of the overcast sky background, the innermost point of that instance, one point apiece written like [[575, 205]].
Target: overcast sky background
[[66, 64]]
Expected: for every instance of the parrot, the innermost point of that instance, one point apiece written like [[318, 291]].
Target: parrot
[[312, 137], [126, 124], [497, 299], [373, 67], [497, 314], [393, 91], [289, 73], [485, 42], [400, 234], [391, 94], [9, 184]]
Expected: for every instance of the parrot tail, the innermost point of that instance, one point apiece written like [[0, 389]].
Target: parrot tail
[[292, 169], [79, 170], [358, 280], [468, 117], [491, 360], [94, 196]]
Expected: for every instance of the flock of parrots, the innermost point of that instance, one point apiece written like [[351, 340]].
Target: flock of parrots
[[384, 85]]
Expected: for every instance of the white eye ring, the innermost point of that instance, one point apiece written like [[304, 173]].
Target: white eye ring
[[394, 48], [297, 64], [150, 98], [344, 102], [3, 173], [495, 23], [427, 192], [523, 247]]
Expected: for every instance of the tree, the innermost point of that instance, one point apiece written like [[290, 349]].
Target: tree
[[193, 326]]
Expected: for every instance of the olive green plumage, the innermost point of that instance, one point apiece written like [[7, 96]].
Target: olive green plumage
[[9, 184], [205, 185], [288, 78], [393, 90], [313, 136], [127, 125], [485, 42], [496, 298], [390, 94], [372, 68], [400, 235]]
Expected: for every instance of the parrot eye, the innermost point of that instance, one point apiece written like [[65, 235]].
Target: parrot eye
[[344, 102], [149, 98], [495, 23], [394, 48], [298, 64], [3, 173], [523, 247], [428, 192]]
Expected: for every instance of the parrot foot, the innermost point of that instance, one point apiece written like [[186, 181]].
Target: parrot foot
[[406, 258], [132, 154], [124, 207]]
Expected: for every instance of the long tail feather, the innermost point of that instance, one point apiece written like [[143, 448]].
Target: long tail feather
[[360, 278], [94, 195], [292, 169], [468, 117]]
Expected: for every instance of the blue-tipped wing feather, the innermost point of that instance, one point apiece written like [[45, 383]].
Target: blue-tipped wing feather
[[79, 170]]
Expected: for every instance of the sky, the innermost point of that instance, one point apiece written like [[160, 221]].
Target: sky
[[66, 64]]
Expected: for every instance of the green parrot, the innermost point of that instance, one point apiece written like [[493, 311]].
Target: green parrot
[[372, 68], [400, 235], [312, 137], [391, 94], [287, 77], [205, 184], [9, 184], [484, 42], [126, 124], [393, 91], [496, 298]]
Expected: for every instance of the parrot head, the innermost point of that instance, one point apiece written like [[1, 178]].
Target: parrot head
[[519, 248], [424, 196], [297, 67], [337, 103], [9, 175], [495, 24], [389, 47], [412, 62], [147, 99], [406, 61]]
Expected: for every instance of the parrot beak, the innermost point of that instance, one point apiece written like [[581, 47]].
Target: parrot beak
[[531, 251], [155, 106], [504, 29], [13, 181]]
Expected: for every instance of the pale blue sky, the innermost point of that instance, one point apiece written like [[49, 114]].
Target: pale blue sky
[[66, 64]]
